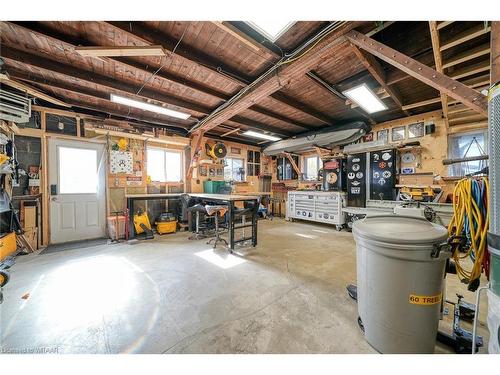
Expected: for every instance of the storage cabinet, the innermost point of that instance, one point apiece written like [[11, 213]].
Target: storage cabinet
[[320, 206]]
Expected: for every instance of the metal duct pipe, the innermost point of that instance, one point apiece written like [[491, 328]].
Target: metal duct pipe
[[494, 199]]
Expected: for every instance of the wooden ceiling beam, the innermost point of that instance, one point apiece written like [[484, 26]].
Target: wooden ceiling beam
[[320, 82], [84, 104], [235, 130], [47, 84], [165, 75], [478, 51], [32, 91], [465, 36], [429, 76], [377, 72], [196, 57], [422, 103], [150, 36], [301, 107], [443, 24], [264, 127], [125, 62], [247, 40], [104, 81], [264, 111], [439, 66], [467, 71], [115, 51]]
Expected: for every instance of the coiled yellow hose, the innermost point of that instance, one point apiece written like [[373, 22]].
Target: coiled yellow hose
[[470, 219]]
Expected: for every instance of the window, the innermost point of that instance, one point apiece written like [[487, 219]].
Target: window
[[466, 145], [312, 164], [163, 165], [285, 170], [234, 170], [272, 29], [253, 163], [77, 170]]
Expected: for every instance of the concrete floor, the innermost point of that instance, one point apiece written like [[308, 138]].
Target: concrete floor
[[172, 295]]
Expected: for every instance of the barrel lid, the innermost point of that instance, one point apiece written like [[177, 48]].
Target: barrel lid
[[399, 229]]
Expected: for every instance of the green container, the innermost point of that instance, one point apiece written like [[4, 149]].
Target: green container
[[212, 187]]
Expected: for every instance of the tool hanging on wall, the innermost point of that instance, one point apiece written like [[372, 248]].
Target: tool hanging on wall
[[468, 229], [216, 151]]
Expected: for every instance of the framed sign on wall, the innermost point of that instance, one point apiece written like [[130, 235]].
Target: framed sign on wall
[[383, 135], [416, 130], [398, 133]]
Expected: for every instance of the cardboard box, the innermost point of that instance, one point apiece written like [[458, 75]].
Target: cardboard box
[[29, 217]]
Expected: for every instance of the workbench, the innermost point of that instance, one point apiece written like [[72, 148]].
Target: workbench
[[230, 200], [223, 199]]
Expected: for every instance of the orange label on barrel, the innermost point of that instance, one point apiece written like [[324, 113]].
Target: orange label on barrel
[[425, 300]]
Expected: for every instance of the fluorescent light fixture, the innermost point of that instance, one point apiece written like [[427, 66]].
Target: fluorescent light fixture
[[365, 98], [251, 133], [148, 107], [272, 29]]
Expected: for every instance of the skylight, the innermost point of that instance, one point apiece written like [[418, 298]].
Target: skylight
[[148, 107], [365, 98], [270, 28]]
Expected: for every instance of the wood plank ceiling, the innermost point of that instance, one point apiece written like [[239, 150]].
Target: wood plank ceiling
[[206, 63]]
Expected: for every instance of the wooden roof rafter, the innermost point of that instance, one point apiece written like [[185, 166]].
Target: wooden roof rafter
[[335, 93], [271, 82], [216, 67], [376, 70], [429, 76]]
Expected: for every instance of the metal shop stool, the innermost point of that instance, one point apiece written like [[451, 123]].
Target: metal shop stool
[[219, 211], [198, 208]]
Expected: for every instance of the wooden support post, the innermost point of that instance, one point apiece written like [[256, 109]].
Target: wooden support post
[[196, 141], [429, 76], [495, 52], [44, 188], [439, 66], [78, 127]]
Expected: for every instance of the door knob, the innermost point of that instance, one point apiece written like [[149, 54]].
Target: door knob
[[53, 199]]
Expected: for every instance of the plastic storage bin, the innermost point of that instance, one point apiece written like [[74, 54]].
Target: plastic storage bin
[[212, 187]]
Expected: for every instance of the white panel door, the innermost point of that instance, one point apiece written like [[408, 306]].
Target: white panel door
[[77, 190]]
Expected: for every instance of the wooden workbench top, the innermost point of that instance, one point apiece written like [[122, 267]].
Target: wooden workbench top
[[224, 197], [153, 196]]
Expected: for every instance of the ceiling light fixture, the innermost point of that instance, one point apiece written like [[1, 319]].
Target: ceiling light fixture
[[271, 29], [148, 107], [251, 133], [365, 98]]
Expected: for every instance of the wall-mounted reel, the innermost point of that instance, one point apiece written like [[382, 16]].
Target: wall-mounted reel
[[216, 151]]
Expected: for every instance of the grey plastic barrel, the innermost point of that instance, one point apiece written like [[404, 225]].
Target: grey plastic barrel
[[400, 270]]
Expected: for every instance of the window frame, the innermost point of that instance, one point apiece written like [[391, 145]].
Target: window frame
[[452, 167], [165, 151]]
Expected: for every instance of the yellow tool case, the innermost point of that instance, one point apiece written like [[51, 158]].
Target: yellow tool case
[[8, 245], [166, 227]]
